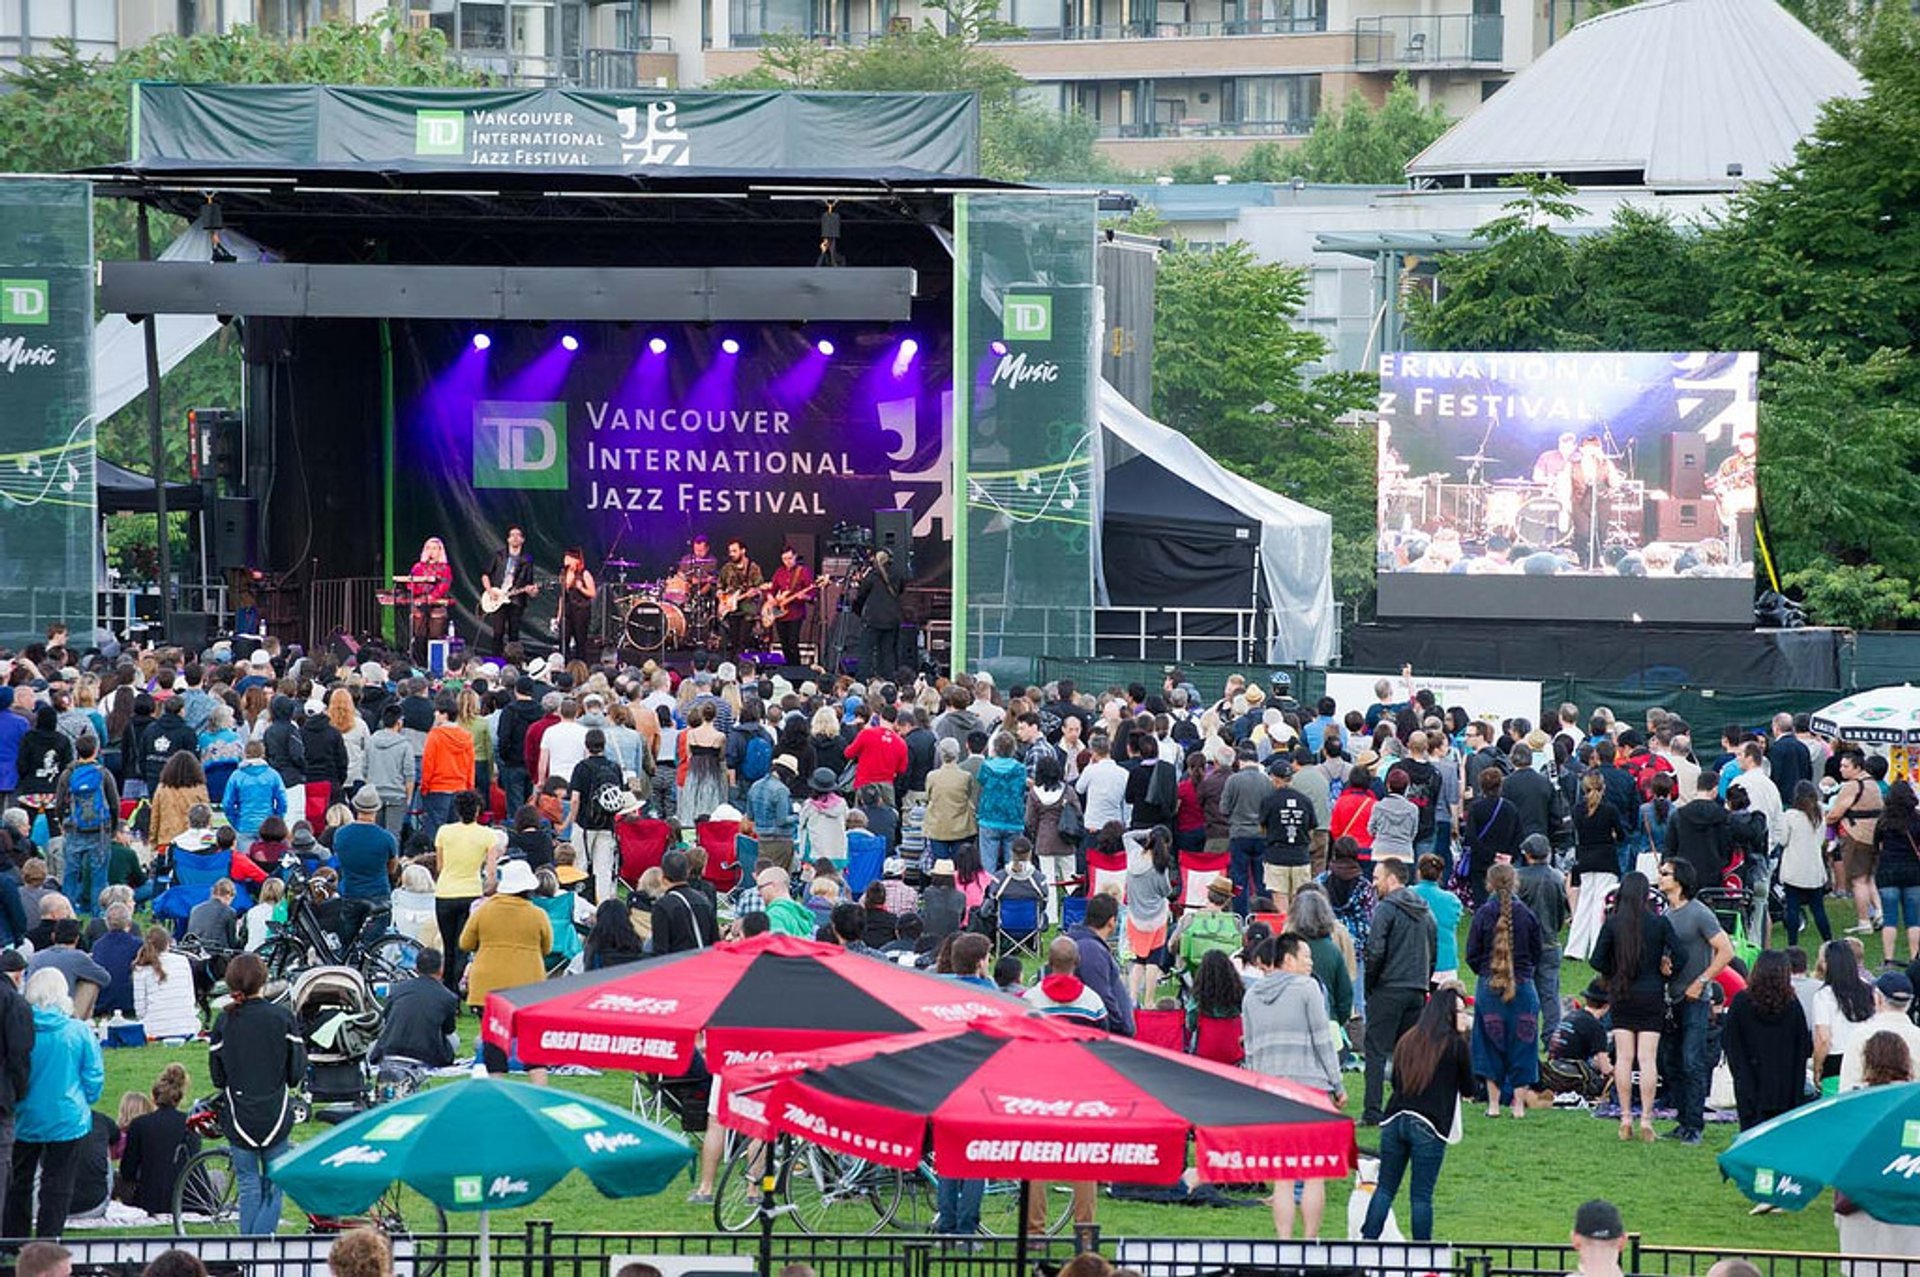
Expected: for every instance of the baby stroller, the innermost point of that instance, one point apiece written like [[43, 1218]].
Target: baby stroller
[[339, 1023], [1731, 898]]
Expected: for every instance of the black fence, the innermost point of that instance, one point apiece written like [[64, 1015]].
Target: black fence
[[538, 1250]]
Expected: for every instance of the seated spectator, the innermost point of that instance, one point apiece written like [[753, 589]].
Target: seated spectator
[[413, 906], [65, 956], [163, 995], [213, 921], [157, 1145], [93, 1169], [95, 926], [363, 1252], [422, 1020], [270, 910], [34, 886], [613, 941], [271, 847], [114, 952], [882, 927]]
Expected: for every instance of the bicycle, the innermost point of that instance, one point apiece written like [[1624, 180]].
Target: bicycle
[[206, 1201], [381, 955]]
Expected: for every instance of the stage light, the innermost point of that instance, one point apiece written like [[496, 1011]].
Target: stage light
[[824, 346], [904, 355], [570, 342], [657, 345], [997, 346], [730, 346], [481, 341]]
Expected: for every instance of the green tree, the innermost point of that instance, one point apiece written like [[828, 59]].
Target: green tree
[[1359, 142], [1846, 25], [1019, 141], [1515, 293], [1232, 372]]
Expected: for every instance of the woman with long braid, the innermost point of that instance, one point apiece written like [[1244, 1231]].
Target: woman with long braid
[[1503, 948]]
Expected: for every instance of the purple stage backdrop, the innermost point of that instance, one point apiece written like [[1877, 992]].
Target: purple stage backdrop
[[646, 434]]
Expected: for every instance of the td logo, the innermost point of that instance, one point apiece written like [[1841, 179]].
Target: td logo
[[439, 133], [1027, 317], [519, 445], [23, 301]]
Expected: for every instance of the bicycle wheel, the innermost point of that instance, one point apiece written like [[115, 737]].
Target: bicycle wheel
[[284, 957], [1000, 1207], [736, 1197], [833, 1193], [206, 1197], [919, 1202], [389, 960]]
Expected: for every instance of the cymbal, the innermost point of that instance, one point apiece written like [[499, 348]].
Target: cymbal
[[620, 563], [1476, 457]]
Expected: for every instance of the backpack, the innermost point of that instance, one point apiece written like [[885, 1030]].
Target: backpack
[[87, 799], [756, 760], [1210, 931]]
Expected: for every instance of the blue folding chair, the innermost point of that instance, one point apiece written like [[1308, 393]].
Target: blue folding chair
[[1017, 926]]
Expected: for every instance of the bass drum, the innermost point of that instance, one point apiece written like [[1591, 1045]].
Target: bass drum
[[652, 625]]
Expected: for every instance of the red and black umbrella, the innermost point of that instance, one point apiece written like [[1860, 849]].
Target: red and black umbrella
[[1041, 1099], [750, 999]]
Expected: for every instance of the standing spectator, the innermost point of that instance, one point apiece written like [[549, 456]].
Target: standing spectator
[[597, 797], [367, 856], [44, 753], [1543, 889], [1897, 873], [1699, 833], [86, 801], [55, 1113], [1102, 786], [1288, 1035], [1598, 834], [468, 855], [1399, 966], [822, 822], [1447, 911], [952, 794], [1286, 823], [1353, 810], [1803, 869], [1331, 948], [1767, 1042], [1490, 832], [878, 753], [17, 1040], [1148, 896], [509, 937], [1001, 812], [391, 771], [510, 737], [446, 768], [1598, 1238], [255, 794], [1432, 1074], [326, 751], [1395, 822], [1503, 950], [287, 751], [1533, 795], [255, 1056], [1048, 801], [182, 787], [353, 730], [1701, 952], [1854, 817], [1242, 802], [1788, 760]]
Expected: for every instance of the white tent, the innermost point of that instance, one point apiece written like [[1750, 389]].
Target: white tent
[[1296, 541]]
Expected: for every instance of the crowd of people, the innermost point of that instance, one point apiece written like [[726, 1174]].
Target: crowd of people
[[1264, 883]]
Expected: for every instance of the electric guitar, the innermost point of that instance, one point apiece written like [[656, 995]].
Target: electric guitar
[[770, 610], [732, 599], [496, 597]]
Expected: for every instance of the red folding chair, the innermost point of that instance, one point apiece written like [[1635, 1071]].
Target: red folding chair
[[1218, 1039], [1161, 1028], [1107, 871], [1197, 869], [643, 843], [717, 839]]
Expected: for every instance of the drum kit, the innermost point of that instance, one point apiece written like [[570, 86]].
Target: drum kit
[[654, 615], [1531, 513]]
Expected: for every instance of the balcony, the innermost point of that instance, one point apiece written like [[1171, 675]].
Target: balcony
[[1163, 129], [651, 61], [1305, 24], [1414, 41]]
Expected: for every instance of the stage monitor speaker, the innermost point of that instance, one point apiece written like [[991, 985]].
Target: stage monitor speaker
[[192, 631], [808, 544], [1683, 464], [1679, 519], [893, 531], [233, 525]]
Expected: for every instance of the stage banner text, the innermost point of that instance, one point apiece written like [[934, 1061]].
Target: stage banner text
[[1027, 367], [47, 537]]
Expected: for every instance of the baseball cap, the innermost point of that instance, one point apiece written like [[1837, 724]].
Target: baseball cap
[[1279, 766], [1894, 986], [1599, 1220]]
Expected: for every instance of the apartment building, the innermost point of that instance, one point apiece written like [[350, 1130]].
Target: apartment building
[[1164, 79]]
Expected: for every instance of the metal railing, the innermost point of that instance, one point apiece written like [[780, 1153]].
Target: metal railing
[[539, 1250], [1298, 127], [1147, 29], [122, 607], [1124, 633], [344, 604], [1411, 39], [591, 69], [746, 35]]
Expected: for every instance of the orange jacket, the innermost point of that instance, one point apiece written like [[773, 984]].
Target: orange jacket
[[447, 765]]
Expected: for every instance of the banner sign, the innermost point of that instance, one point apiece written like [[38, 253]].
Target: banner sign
[[1026, 332], [542, 130], [1490, 700], [47, 534], [637, 439]]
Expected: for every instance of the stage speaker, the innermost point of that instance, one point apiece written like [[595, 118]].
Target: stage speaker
[[1683, 465], [893, 531], [808, 544], [1680, 519], [192, 631], [233, 538]]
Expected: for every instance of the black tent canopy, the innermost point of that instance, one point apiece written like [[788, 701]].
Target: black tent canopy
[[1164, 538], [124, 491]]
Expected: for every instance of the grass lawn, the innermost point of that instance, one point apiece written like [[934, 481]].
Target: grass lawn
[[1508, 1180]]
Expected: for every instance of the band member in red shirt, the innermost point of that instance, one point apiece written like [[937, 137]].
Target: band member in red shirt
[[427, 593], [789, 605]]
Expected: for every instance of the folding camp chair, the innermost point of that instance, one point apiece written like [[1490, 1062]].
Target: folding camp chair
[[1197, 869], [1018, 926], [643, 843], [1161, 1028], [1107, 871]]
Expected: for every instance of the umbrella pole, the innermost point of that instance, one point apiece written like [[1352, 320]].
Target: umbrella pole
[[768, 1161], [486, 1246], [1020, 1231]]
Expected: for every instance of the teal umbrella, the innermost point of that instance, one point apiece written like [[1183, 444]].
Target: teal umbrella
[[480, 1144], [1865, 1143]]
